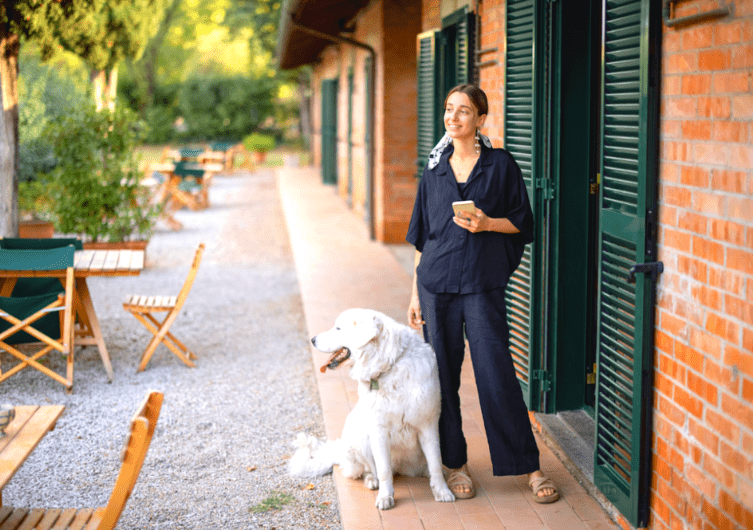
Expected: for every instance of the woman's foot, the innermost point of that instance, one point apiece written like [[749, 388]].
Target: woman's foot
[[544, 490], [460, 483]]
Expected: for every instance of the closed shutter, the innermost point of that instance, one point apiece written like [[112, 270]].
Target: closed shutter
[[429, 119], [329, 131], [465, 40], [627, 206], [519, 141]]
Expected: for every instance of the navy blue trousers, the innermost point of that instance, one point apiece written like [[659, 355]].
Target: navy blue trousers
[[508, 428]]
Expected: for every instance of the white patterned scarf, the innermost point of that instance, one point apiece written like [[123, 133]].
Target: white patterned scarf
[[436, 153]]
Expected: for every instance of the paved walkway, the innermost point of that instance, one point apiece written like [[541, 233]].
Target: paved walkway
[[338, 268]]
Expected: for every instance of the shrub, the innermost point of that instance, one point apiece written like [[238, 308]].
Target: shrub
[[95, 184], [259, 143]]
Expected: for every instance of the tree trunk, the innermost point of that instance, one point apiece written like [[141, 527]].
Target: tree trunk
[[98, 85], [9, 48], [305, 107], [112, 88], [105, 88]]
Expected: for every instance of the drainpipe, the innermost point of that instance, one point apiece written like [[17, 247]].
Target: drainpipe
[[345, 40], [670, 22]]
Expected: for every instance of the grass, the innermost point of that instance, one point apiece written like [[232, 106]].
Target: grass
[[275, 501]]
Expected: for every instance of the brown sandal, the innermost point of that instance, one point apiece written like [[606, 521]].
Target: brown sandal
[[457, 478], [541, 483]]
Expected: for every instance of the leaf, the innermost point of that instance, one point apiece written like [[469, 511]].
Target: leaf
[[251, 468], [310, 486]]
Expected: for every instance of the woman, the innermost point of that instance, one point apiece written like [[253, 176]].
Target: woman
[[462, 265]]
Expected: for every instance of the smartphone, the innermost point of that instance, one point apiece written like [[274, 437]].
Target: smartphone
[[463, 206]]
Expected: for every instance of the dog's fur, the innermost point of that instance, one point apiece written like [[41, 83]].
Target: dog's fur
[[392, 428]]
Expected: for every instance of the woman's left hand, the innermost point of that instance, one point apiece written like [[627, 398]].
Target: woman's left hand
[[473, 222]]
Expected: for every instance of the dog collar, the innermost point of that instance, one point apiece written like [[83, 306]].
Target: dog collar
[[374, 385]]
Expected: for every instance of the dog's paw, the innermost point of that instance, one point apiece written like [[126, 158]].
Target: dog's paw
[[443, 494], [386, 502], [370, 481]]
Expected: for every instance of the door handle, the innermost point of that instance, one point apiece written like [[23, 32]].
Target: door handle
[[654, 267]]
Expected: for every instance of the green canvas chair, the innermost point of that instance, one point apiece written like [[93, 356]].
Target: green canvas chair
[[22, 317], [37, 286]]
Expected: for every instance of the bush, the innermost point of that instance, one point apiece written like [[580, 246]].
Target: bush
[[95, 185], [259, 143]]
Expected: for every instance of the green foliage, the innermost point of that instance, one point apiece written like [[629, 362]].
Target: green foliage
[[259, 143], [225, 107], [275, 501], [95, 185]]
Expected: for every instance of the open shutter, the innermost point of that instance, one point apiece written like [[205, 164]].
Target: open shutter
[[465, 39], [329, 131], [429, 119], [625, 310], [519, 141]]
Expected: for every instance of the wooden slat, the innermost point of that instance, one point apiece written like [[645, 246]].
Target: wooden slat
[[173, 301], [124, 259], [50, 516], [65, 519], [98, 261], [96, 519], [150, 301], [82, 517], [12, 522], [34, 516], [137, 260], [22, 416], [111, 260], [5, 512], [85, 259]]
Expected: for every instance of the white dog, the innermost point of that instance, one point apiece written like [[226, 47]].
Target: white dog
[[394, 426]]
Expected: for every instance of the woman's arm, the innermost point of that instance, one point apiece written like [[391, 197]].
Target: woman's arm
[[414, 309]]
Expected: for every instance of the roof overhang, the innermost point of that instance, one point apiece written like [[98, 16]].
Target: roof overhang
[[295, 46]]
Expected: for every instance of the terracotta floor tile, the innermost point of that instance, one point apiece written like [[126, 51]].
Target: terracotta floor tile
[[401, 523], [586, 507], [481, 521], [478, 504]]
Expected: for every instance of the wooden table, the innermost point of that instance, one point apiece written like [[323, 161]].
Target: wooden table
[[22, 436], [86, 263]]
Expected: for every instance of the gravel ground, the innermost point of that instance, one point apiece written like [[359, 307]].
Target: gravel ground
[[225, 431]]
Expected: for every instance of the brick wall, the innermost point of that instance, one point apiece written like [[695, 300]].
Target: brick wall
[[703, 417], [492, 78]]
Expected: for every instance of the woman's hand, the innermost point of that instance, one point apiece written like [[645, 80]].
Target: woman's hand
[[415, 320], [473, 222]]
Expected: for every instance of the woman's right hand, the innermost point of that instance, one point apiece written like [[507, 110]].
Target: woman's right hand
[[414, 313]]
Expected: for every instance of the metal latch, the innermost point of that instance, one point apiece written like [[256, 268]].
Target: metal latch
[[591, 378], [547, 185], [654, 267], [545, 384]]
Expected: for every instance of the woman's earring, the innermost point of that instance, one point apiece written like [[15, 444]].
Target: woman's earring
[[478, 146]]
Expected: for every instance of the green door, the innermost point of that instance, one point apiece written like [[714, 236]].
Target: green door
[[626, 234], [329, 131], [521, 129]]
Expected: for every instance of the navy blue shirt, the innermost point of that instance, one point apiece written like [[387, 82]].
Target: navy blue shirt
[[454, 260]]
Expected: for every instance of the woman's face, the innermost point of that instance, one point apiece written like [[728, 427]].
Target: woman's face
[[461, 117]]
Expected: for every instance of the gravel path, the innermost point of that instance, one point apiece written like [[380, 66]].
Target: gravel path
[[225, 431]]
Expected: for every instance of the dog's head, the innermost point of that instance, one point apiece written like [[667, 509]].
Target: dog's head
[[354, 329]]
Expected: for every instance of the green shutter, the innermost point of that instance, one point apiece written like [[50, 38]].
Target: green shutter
[[329, 131], [465, 40], [430, 128], [519, 141], [625, 310]]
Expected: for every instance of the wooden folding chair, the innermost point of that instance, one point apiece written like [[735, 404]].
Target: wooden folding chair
[[22, 317], [142, 307], [104, 518]]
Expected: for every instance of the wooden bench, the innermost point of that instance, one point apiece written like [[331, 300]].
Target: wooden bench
[[105, 518]]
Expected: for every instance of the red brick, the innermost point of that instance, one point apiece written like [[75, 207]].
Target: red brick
[[722, 425], [710, 203], [724, 475], [693, 175], [710, 153], [742, 106], [719, 520], [730, 131], [722, 376], [676, 239], [707, 297], [697, 479], [741, 360], [679, 108], [663, 341], [663, 385], [676, 196], [715, 59], [742, 57], [704, 436], [667, 215], [748, 339], [748, 391], [728, 231], [662, 468], [735, 510], [726, 82], [714, 107], [733, 458], [724, 180], [676, 151], [681, 62], [728, 33], [693, 222], [740, 260], [742, 209], [705, 342], [740, 309], [698, 37], [743, 412], [726, 280], [724, 328], [673, 325], [670, 128], [671, 497], [708, 250], [688, 402], [689, 357], [696, 269], [702, 389], [670, 411], [671, 85], [696, 84]]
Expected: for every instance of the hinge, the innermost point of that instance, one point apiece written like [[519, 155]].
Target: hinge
[[594, 186], [545, 384], [591, 378], [547, 187]]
